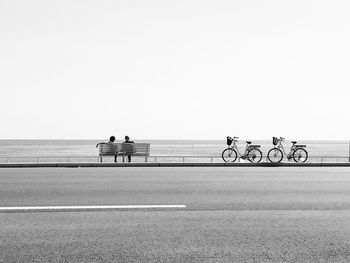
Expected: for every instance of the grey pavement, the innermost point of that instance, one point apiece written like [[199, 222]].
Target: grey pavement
[[233, 214]]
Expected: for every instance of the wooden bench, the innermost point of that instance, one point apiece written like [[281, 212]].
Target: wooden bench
[[124, 149]]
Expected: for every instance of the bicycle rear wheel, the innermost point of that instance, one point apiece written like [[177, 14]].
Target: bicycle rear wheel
[[229, 155], [300, 155], [254, 155], [275, 155]]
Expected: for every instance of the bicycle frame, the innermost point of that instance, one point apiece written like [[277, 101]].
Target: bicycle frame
[[280, 146], [234, 146]]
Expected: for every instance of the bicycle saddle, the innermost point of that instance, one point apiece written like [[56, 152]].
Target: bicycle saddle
[[248, 142], [294, 142]]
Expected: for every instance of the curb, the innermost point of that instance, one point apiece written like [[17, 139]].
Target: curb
[[78, 165]]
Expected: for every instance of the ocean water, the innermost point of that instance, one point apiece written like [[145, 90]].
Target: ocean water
[[80, 150]]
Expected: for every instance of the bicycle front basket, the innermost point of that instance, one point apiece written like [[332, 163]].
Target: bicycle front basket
[[274, 140], [229, 140]]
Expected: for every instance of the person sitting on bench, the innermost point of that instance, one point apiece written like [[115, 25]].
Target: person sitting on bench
[[128, 149], [111, 141]]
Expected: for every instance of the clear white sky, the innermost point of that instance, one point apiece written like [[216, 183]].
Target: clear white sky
[[174, 69]]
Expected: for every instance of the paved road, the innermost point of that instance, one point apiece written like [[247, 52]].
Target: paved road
[[232, 215]]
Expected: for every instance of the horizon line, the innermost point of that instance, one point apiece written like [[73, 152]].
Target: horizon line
[[152, 139]]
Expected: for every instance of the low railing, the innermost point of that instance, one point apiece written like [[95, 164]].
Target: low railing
[[155, 159]]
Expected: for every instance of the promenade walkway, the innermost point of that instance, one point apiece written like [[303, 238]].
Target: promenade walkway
[[163, 161]]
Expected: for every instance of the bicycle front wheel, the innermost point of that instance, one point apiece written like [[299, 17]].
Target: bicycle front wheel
[[275, 155], [300, 155], [254, 155], [229, 155]]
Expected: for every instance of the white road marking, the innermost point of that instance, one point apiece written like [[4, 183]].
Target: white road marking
[[92, 207]]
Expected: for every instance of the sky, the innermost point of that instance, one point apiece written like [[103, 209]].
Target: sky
[[174, 69]]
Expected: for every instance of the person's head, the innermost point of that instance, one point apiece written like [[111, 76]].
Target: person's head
[[127, 138], [112, 138]]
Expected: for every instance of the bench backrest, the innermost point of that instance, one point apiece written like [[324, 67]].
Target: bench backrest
[[134, 148], [108, 148], [126, 148]]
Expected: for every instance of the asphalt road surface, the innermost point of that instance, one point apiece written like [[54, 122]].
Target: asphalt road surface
[[232, 214]]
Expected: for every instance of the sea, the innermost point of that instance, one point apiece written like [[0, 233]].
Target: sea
[[161, 150]]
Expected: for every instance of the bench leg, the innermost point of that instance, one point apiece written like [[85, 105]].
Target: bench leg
[[146, 159], [100, 158]]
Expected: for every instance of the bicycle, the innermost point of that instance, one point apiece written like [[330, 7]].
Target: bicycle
[[297, 152], [252, 152]]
